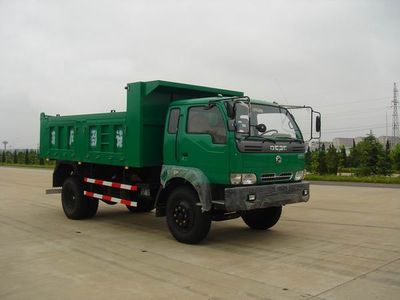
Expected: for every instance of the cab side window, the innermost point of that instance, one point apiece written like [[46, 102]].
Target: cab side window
[[207, 121], [173, 120]]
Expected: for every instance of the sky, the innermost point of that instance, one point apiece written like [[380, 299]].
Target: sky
[[72, 57]]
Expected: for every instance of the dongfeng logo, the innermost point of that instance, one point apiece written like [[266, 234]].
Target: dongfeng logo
[[278, 159], [278, 148]]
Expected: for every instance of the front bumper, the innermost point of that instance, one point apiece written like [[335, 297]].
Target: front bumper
[[239, 198]]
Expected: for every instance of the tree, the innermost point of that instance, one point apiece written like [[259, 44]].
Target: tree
[[9, 157], [385, 161], [322, 168], [372, 157], [15, 157], [307, 159], [332, 160], [26, 157], [20, 157], [314, 162], [33, 157], [342, 160], [395, 156], [3, 156], [354, 157]]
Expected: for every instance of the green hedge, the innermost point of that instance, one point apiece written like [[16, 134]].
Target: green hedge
[[367, 179]]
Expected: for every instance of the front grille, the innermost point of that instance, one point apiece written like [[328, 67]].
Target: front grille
[[253, 148], [272, 177], [298, 149]]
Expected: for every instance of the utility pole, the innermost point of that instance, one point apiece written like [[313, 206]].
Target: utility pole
[[5, 145], [395, 121]]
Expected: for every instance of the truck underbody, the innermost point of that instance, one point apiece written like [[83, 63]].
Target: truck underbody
[[144, 189]]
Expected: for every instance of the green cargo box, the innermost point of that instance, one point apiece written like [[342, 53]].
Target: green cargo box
[[133, 138]]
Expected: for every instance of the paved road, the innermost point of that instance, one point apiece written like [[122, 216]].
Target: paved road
[[343, 244]]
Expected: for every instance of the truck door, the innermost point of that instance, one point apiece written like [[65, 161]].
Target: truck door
[[171, 137], [202, 142]]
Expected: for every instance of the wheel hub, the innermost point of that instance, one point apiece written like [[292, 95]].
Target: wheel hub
[[181, 216]]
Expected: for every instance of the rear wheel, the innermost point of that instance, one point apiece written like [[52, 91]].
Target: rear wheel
[[262, 218], [186, 222], [75, 205]]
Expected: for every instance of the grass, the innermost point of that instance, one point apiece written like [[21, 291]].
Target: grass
[[367, 179], [27, 166]]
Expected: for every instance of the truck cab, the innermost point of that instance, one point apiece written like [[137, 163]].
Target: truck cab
[[243, 157]]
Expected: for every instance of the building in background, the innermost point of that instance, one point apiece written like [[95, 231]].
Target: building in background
[[392, 141], [358, 139], [347, 143], [340, 142]]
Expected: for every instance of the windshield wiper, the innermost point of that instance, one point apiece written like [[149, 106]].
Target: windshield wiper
[[291, 140], [260, 138], [268, 139]]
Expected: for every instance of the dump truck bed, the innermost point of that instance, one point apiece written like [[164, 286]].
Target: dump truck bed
[[95, 138], [133, 138]]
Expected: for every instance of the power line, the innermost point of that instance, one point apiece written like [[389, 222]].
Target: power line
[[353, 129], [357, 112], [354, 102]]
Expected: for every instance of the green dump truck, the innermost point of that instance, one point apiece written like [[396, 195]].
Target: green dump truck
[[195, 154]]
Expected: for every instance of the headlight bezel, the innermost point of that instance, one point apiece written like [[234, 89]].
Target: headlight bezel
[[249, 178], [243, 178], [236, 178], [299, 175]]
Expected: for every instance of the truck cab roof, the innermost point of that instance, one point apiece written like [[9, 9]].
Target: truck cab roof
[[206, 100]]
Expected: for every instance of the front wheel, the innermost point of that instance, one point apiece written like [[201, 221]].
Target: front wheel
[[262, 219], [186, 222]]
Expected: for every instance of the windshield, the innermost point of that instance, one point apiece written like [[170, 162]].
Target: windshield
[[278, 121], [242, 117]]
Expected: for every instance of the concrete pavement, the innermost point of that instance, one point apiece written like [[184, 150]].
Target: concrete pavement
[[343, 244]]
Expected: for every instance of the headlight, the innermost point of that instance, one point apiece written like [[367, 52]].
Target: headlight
[[246, 178], [236, 178], [299, 175], [249, 178]]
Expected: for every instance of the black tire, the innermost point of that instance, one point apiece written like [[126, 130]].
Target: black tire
[[185, 219], [75, 205], [262, 219], [144, 204], [93, 206]]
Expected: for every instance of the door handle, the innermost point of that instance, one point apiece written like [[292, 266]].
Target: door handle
[[185, 154]]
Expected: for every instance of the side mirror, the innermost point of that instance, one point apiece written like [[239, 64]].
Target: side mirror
[[230, 110], [318, 124], [261, 128]]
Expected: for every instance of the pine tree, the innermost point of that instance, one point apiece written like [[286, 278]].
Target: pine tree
[[322, 168], [32, 157], [15, 157], [332, 160], [372, 157], [26, 158], [314, 162], [342, 158], [307, 159], [385, 162], [354, 157], [395, 156]]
